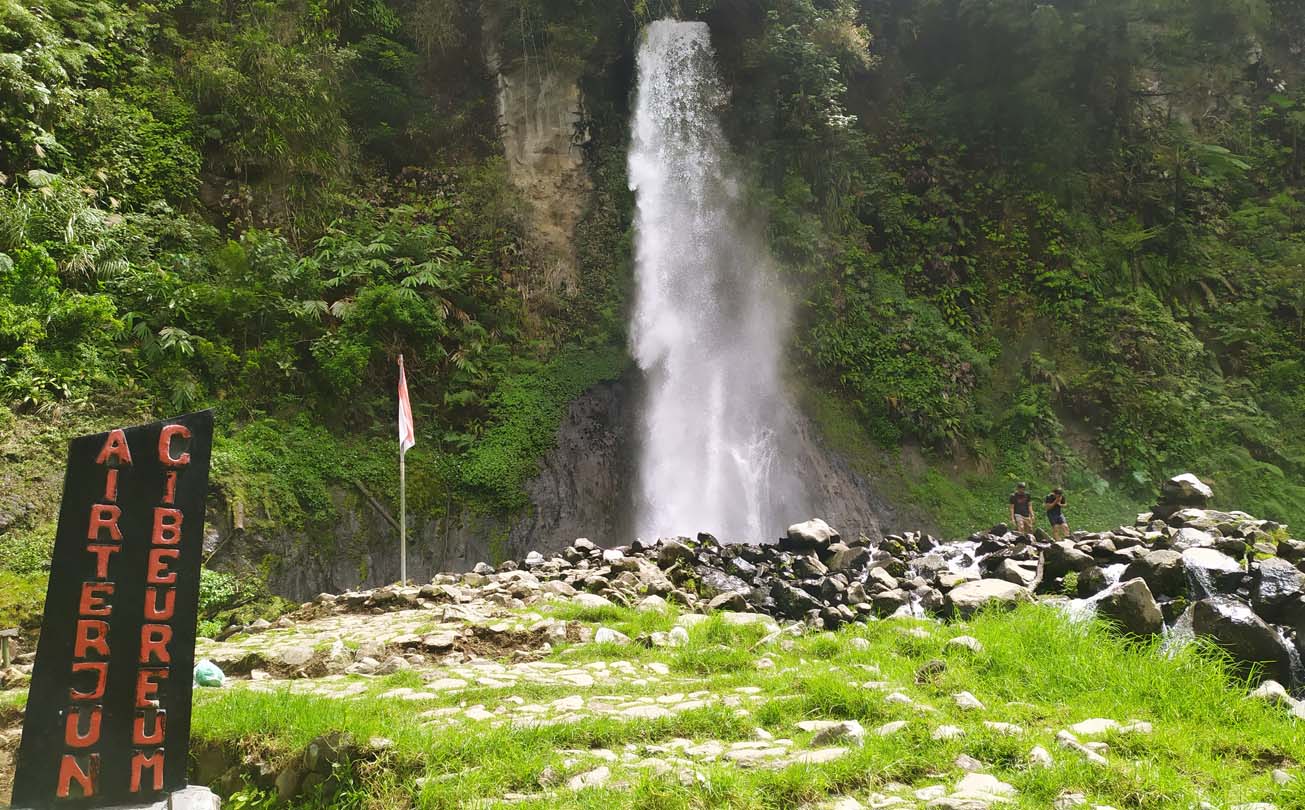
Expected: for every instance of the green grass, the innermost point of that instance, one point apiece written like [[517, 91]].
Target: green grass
[[22, 599], [1036, 670], [944, 496]]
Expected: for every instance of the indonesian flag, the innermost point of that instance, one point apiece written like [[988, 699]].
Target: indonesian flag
[[406, 436]]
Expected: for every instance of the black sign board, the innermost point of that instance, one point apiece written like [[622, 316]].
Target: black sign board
[[108, 713]]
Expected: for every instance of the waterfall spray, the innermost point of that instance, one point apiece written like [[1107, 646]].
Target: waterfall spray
[[710, 319]]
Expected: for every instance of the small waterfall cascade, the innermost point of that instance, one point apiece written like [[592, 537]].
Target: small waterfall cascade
[[710, 319]]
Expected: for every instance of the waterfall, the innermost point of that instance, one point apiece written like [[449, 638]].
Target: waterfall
[[709, 320]]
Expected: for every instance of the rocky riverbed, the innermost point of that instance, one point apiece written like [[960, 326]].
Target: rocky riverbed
[[883, 672]]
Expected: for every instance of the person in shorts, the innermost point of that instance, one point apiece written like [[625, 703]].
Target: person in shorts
[[1021, 509], [1055, 506]]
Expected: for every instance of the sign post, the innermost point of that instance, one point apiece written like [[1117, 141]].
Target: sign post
[[108, 711]]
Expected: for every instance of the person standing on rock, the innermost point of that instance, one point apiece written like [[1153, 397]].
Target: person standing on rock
[[1055, 505], [1021, 509]]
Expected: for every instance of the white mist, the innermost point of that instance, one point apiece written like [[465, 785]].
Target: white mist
[[710, 320]]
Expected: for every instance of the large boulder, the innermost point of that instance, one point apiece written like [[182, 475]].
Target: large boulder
[[967, 599], [791, 602], [849, 559], [1131, 606], [1276, 583], [1212, 570], [1061, 558], [672, 550], [1179, 492], [713, 582], [814, 534], [1163, 571], [1186, 538], [1230, 623]]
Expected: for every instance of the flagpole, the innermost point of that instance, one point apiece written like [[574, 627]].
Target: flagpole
[[403, 521], [403, 496]]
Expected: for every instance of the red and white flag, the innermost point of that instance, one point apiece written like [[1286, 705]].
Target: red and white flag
[[406, 436]]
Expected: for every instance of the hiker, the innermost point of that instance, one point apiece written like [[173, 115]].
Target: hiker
[[1021, 512], [1055, 503]]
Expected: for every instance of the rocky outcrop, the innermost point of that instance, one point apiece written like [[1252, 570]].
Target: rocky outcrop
[[1131, 606], [1231, 624], [583, 489], [540, 115]]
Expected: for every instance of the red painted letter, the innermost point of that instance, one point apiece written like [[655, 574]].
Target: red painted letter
[[154, 640], [101, 670], [156, 572], [147, 686], [102, 554], [92, 634], [70, 770], [170, 487], [155, 737], [140, 762], [111, 485], [167, 526], [72, 728], [165, 445], [93, 596], [115, 452], [156, 612], [104, 516]]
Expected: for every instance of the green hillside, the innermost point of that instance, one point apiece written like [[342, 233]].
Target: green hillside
[[1062, 242]]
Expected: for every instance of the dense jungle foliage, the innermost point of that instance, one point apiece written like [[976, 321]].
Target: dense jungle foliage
[[1060, 240]]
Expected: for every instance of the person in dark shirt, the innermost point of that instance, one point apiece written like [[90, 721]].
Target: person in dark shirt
[[1055, 505], [1021, 512]]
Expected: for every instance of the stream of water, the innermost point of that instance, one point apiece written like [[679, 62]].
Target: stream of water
[[710, 320]]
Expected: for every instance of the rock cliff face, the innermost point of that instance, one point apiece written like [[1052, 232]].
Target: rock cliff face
[[583, 489], [539, 112]]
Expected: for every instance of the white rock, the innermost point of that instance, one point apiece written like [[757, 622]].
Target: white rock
[[859, 643], [947, 733], [573, 703], [892, 728], [1094, 727], [192, 798], [967, 701], [1069, 800], [968, 642], [982, 784], [647, 712], [815, 725], [1273, 692], [1009, 729], [678, 637], [1041, 757], [929, 793], [598, 776], [653, 603], [968, 763], [606, 635], [534, 559], [1281, 777], [818, 756], [1067, 740], [591, 600], [898, 698], [478, 713], [848, 731], [558, 587]]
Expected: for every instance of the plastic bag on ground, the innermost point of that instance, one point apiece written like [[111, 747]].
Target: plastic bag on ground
[[207, 673]]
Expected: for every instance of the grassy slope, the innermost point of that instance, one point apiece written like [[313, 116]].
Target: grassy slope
[[950, 497], [1037, 670]]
